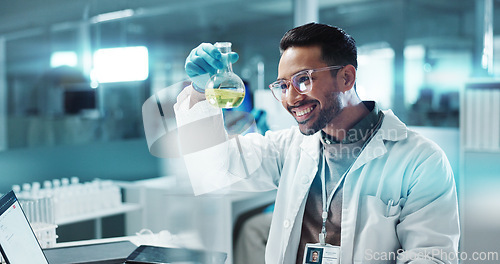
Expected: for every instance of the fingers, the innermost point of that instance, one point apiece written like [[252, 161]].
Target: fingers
[[210, 54], [203, 59], [197, 66], [206, 58], [233, 57], [192, 69]]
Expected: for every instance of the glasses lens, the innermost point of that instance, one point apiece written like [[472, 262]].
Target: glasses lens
[[302, 81], [278, 89]]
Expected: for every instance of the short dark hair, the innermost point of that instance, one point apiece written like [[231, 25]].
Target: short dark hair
[[337, 47]]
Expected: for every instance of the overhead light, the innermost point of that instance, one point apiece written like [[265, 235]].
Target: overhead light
[[63, 58], [112, 16], [123, 64]]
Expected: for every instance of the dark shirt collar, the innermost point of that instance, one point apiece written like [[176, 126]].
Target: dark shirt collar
[[361, 130]]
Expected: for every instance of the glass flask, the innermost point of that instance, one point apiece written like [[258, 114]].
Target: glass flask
[[225, 89]]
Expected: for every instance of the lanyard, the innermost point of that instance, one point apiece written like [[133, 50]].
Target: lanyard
[[326, 204], [324, 215]]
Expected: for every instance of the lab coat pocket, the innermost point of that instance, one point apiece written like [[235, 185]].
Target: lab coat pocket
[[376, 237]]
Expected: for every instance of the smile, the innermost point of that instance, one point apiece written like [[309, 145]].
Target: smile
[[304, 112]]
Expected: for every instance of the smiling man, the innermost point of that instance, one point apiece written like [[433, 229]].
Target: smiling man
[[351, 179], [321, 108]]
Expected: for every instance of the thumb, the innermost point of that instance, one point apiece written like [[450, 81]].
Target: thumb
[[233, 57]]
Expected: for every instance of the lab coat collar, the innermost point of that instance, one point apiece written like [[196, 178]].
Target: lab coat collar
[[311, 145], [392, 129]]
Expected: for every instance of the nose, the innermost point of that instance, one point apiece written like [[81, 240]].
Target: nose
[[292, 97]]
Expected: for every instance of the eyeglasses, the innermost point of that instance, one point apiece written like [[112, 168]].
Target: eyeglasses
[[301, 81]]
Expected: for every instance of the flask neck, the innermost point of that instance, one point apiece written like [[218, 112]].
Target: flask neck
[[228, 66]]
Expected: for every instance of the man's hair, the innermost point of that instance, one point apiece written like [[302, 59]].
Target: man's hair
[[337, 47]]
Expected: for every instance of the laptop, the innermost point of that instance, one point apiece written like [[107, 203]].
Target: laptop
[[18, 243]]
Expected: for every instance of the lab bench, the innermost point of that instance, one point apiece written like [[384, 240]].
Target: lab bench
[[168, 204]]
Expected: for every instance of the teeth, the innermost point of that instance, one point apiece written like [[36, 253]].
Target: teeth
[[306, 111]]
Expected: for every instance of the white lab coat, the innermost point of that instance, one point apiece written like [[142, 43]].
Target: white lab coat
[[399, 195]]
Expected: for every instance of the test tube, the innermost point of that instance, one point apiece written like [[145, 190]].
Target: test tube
[[35, 187], [47, 185], [26, 190], [17, 189], [75, 180], [65, 181]]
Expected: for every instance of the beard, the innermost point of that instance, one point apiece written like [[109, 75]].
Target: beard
[[326, 115]]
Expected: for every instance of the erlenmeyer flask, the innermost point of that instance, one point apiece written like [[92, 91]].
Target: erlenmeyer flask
[[225, 89]]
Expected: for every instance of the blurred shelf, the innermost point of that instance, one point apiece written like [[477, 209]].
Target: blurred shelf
[[123, 208], [481, 150]]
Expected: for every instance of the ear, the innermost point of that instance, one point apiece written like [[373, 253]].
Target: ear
[[347, 77]]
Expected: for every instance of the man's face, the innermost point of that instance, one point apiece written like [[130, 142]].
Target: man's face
[[313, 110], [315, 256]]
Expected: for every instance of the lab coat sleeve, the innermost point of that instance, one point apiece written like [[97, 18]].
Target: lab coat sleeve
[[429, 222], [217, 161]]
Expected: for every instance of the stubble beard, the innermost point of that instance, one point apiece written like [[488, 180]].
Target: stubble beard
[[326, 115]]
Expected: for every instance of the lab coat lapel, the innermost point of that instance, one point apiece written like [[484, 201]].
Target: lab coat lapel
[[304, 175], [392, 129], [311, 144]]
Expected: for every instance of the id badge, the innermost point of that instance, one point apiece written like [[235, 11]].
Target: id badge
[[321, 254]]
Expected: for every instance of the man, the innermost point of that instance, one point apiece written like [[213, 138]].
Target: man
[[350, 178], [314, 257]]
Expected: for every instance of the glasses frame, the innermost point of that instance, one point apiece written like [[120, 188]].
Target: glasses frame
[[278, 84]]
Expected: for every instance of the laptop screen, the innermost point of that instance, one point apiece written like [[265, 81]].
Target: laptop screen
[[18, 243]]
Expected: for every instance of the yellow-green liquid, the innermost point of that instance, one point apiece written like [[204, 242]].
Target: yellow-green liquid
[[224, 98]]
